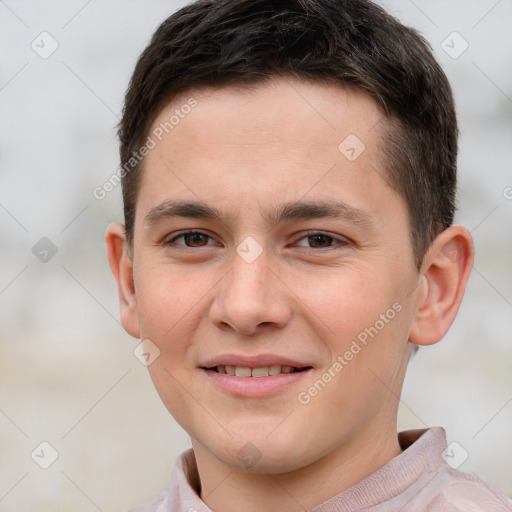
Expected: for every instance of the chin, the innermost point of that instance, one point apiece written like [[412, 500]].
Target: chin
[[263, 453], [269, 464]]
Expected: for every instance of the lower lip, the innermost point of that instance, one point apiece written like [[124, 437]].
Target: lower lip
[[254, 386]]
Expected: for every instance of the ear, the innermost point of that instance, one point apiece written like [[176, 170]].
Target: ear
[[122, 267], [445, 271]]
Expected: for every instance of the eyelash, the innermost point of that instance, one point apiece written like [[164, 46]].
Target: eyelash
[[342, 241]]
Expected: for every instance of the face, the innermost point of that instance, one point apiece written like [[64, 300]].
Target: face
[[266, 236]]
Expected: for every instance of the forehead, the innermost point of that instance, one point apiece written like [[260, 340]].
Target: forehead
[[278, 111], [279, 121]]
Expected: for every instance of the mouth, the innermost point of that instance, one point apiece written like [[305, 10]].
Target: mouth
[[255, 382], [258, 372]]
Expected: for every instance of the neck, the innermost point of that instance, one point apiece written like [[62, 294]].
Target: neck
[[227, 490]]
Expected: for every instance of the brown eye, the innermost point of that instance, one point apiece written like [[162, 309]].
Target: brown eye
[[195, 239], [189, 239], [319, 241]]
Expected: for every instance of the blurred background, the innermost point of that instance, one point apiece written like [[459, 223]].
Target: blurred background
[[68, 376]]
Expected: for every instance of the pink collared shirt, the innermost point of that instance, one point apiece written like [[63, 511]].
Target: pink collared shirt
[[417, 480]]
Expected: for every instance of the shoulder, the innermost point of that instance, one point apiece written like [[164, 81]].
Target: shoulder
[[468, 490], [155, 504], [450, 490]]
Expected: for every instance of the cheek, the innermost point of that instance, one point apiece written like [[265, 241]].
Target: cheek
[[169, 313], [167, 300], [345, 300], [363, 318]]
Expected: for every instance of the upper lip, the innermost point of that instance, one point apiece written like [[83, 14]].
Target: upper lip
[[257, 361]]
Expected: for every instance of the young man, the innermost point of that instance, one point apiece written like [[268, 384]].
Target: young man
[[289, 173]]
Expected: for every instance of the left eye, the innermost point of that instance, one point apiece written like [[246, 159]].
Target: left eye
[[321, 241]]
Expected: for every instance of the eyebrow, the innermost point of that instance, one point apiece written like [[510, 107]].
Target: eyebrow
[[299, 210]]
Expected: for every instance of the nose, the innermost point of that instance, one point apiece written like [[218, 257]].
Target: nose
[[251, 298]]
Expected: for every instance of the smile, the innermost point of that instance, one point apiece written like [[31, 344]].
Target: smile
[[265, 371], [255, 382]]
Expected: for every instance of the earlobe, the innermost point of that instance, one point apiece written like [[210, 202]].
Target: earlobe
[[122, 268], [446, 268]]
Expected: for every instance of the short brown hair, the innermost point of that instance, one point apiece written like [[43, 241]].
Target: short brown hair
[[217, 43]]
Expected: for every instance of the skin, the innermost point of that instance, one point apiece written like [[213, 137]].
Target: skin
[[245, 152]]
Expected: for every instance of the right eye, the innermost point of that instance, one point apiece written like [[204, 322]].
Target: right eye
[[189, 239]]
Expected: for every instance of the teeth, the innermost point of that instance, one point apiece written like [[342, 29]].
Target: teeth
[[274, 370], [265, 371], [260, 372], [242, 371]]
